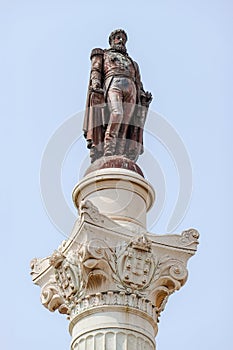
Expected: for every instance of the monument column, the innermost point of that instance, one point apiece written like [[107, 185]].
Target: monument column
[[114, 314], [111, 277]]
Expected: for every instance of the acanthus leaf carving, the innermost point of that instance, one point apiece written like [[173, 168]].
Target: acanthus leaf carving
[[56, 259], [51, 297], [132, 267], [171, 274], [97, 260]]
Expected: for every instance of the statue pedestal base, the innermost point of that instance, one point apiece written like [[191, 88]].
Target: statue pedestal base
[[122, 195], [117, 162]]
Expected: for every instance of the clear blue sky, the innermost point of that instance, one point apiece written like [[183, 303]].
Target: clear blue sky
[[184, 49]]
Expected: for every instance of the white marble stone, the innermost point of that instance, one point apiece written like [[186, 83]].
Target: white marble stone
[[121, 194], [114, 327], [111, 277]]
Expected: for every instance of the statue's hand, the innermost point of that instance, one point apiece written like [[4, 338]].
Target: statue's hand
[[148, 96], [98, 90]]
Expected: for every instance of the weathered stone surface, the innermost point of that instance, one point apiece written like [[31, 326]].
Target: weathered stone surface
[[105, 268]]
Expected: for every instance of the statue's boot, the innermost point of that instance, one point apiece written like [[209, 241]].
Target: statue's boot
[[121, 146], [111, 135], [121, 142]]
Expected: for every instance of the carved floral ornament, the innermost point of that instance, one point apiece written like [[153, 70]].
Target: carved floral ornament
[[95, 271]]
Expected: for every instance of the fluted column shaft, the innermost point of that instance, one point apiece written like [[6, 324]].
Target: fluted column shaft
[[113, 328]]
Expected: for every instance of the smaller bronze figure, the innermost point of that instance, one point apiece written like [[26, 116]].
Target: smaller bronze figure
[[117, 104]]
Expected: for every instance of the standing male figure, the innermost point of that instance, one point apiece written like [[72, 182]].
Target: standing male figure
[[115, 80]]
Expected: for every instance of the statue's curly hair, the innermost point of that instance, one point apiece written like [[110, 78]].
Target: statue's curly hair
[[113, 34]]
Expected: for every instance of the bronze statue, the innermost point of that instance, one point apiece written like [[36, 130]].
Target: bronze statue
[[117, 104]]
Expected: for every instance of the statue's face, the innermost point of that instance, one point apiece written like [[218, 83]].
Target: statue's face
[[119, 40], [118, 43]]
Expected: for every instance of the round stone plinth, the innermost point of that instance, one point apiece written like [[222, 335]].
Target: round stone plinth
[[114, 162], [121, 194]]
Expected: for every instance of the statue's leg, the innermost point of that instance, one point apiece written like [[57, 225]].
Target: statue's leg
[[129, 96], [115, 120]]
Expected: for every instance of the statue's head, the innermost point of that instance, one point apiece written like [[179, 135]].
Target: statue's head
[[117, 40]]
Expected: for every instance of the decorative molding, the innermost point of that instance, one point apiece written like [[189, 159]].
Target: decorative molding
[[128, 274], [115, 278], [51, 297], [140, 271], [39, 266], [89, 209], [189, 237], [112, 298], [187, 240]]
